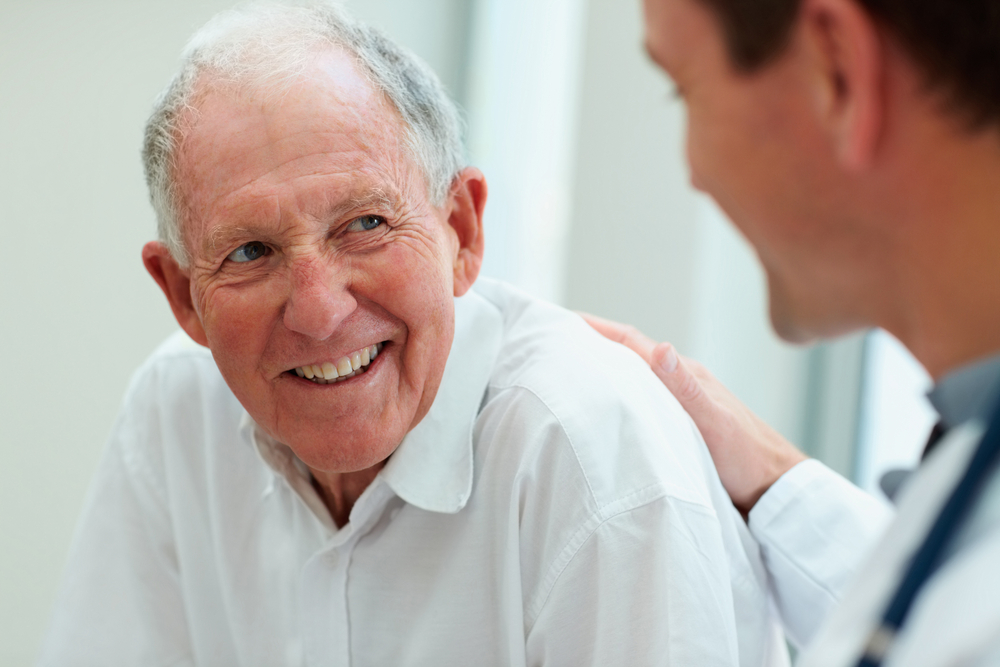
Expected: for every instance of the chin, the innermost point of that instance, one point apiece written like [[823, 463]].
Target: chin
[[808, 320], [349, 454], [788, 328], [788, 320]]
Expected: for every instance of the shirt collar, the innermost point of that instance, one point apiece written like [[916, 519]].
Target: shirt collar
[[283, 461], [433, 467], [969, 392]]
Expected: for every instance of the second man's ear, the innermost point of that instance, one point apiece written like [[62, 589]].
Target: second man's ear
[[848, 65], [467, 200], [176, 286]]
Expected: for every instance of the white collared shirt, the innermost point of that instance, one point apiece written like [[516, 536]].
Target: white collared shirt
[[555, 507]]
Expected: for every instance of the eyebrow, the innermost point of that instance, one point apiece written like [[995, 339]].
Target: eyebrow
[[373, 197], [223, 235]]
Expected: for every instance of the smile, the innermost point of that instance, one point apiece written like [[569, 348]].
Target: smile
[[347, 366]]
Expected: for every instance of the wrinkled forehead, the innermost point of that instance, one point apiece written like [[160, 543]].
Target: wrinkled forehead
[[234, 132]]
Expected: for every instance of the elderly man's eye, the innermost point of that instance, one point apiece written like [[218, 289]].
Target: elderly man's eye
[[365, 223], [248, 252]]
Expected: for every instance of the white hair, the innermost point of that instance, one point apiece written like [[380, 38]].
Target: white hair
[[269, 45]]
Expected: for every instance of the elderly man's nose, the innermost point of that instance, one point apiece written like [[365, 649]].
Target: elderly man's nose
[[318, 303]]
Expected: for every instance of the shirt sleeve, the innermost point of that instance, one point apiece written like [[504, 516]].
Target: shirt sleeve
[[649, 586], [120, 601], [814, 529]]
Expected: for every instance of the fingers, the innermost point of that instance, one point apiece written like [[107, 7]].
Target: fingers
[[676, 374], [625, 334], [749, 454]]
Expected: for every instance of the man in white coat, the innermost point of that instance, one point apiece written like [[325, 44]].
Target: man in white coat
[[856, 144]]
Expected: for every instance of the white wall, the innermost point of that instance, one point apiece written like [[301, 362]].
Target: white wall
[[646, 248], [78, 311], [634, 231], [522, 101]]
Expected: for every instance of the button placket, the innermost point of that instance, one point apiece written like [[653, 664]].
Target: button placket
[[325, 612]]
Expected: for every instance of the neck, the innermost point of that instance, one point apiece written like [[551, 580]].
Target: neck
[[340, 490], [946, 282]]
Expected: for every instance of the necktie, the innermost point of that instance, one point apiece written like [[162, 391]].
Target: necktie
[[937, 433], [927, 557]]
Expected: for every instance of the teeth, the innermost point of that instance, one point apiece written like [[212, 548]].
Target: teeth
[[346, 367]]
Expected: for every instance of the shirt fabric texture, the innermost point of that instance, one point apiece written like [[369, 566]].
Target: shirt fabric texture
[[825, 542], [556, 506]]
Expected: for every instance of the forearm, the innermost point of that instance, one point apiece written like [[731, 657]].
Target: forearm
[[814, 528]]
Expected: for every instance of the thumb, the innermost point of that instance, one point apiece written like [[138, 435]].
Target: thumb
[[681, 382]]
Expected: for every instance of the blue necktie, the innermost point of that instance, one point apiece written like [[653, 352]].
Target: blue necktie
[[928, 557]]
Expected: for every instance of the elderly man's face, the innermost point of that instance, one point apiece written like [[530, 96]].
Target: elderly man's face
[[313, 242]]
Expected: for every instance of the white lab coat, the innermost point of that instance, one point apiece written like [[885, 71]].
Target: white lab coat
[[813, 528]]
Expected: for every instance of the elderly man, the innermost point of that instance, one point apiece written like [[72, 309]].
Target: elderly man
[[342, 462]]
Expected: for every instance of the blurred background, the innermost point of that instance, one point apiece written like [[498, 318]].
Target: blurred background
[[590, 206]]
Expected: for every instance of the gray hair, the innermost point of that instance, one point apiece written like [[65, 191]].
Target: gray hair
[[269, 45]]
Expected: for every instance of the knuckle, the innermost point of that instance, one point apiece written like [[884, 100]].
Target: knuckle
[[629, 333], [690, 389]]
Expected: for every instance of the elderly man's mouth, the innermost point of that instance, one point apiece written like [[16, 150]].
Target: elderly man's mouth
[[346, 367]]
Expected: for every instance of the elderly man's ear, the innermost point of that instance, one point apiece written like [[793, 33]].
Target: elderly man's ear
[[465, 215], [176, 285]]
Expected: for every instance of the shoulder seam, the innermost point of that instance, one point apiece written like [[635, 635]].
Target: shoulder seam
[[580, 538], [569, 439]]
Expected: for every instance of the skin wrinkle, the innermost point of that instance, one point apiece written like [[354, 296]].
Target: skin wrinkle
[[323, 290], [224, 57], [225, 239], [250, 184], [206, 86]]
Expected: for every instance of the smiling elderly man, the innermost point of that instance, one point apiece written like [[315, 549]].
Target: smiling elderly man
[[365, 469]]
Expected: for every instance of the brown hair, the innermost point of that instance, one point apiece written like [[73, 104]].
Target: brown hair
[[955, 42]]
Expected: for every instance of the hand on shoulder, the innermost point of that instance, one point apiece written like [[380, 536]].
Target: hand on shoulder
[[749, 455]]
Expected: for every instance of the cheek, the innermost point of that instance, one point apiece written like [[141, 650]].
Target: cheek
[[712, 135], [418, 265], [413, 286], [709, 151], [238, 319], [693, 148]]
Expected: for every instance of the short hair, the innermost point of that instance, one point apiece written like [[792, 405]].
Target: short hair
[[955, 43], [269, 45]]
